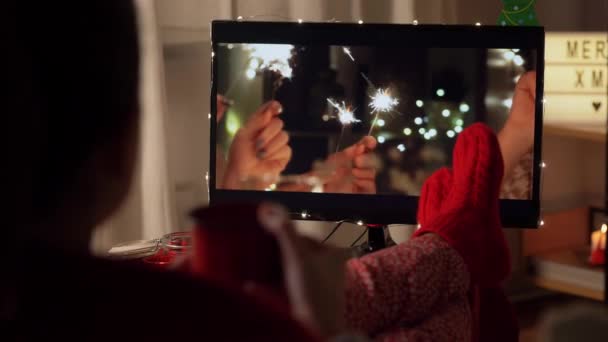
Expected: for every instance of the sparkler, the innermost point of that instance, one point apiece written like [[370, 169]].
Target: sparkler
[[382, 102], [348, 53], [369, 83], [345, 116], [274, 57]]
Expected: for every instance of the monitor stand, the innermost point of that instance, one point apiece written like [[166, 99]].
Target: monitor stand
[[378, 237]]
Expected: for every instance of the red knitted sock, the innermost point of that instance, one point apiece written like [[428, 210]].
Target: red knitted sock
[[434, 191], [468, 216]]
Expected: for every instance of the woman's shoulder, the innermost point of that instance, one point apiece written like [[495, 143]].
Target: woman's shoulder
[[69, 295]]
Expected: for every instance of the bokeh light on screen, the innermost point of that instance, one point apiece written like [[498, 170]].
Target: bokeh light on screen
[[232, 122]]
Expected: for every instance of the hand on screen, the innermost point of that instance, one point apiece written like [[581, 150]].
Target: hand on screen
[[354, 170], [521, 118], [259, 150], [516, 138]]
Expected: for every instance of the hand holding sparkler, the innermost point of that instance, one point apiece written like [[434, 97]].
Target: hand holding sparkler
[[259, 150], [354, 169]]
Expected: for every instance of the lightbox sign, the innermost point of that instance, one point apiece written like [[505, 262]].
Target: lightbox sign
[[576, 77]]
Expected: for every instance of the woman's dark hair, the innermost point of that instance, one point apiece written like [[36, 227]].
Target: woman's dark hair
[[77, 64]]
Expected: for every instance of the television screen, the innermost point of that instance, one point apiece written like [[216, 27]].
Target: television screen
[[364, 113]]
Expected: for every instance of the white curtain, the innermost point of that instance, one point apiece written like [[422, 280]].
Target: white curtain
[[146, 212]]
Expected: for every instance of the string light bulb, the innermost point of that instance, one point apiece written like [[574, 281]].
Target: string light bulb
[[304, 215], [541, 222], [360, 223], [239, 18], [300, 21], [360, 21], [415, 22], [543, 164], [478, 24]]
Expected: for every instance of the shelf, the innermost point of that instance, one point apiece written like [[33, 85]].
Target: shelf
[[567, 271], [568, 288], [584, 131]]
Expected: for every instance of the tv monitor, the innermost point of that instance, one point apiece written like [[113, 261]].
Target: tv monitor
[[412, 88]]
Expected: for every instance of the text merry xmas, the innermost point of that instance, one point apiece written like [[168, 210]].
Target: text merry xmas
[[587, 51]]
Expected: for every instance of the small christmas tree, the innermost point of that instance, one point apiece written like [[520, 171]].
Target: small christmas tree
[[518, 13]]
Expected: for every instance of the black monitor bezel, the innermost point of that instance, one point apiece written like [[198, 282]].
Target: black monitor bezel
[[379, 209]]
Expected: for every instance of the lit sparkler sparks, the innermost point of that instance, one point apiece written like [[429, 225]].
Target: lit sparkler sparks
[[274, 57], [348, 53], [345, 114], [382, 102]]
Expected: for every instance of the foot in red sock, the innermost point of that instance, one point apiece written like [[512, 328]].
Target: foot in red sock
[[468, 216], [434, 191]]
